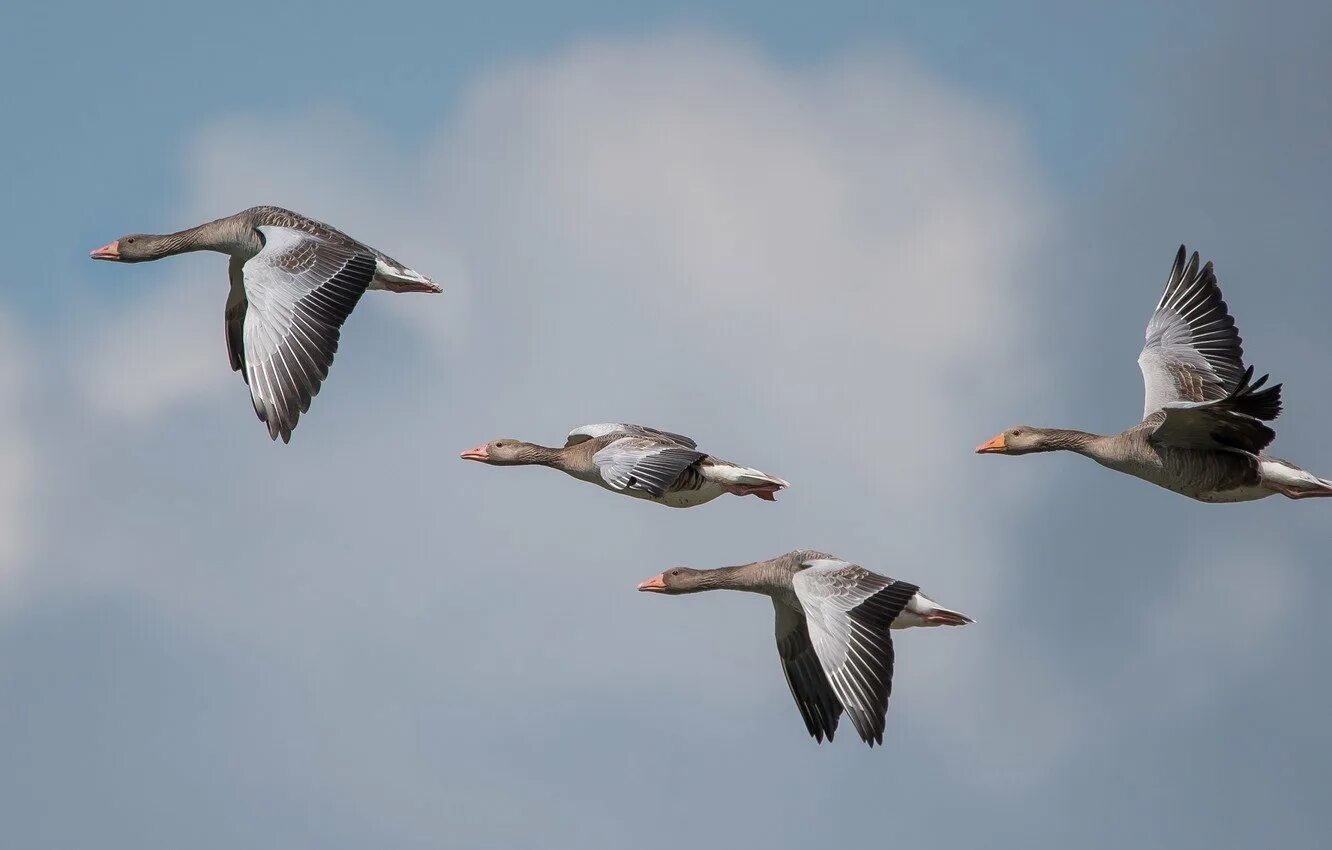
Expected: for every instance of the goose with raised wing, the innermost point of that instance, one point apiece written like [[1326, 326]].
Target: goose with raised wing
[[294, 281], [637, 461], [833, 630], [1204, 430]]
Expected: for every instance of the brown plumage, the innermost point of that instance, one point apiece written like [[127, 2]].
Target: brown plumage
[[1204, 419], [833, 630], [294, 281], [636, 461]]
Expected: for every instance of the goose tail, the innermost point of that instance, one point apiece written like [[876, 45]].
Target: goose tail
[[396, 278], [744, 481], [921, 610], [1292, 482], [947, 617]]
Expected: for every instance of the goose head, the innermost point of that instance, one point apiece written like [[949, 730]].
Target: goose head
[[505, 452], [1021, 440], [134, 248], [676, 580]]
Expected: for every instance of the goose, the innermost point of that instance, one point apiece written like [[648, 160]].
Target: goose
[[637, 461], [833, 622], [294, 281], [1203, 432]]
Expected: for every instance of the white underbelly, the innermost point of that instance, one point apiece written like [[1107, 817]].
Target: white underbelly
[[687, 498], [678, 499]]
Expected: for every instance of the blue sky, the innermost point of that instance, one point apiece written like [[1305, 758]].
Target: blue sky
[[141, 81], [844, 243]]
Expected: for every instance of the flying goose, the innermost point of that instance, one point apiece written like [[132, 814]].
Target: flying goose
[[294, 281], [637, 461], [1203, 430], [833, 622]]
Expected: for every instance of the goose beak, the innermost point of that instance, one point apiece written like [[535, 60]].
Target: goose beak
[[110, 251], [656, 584], [994, 446], [478, 453]]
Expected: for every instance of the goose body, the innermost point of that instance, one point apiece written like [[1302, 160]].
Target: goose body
[[294, 281], [1204, 430], [833, 628], [637, 461], [1220, 476]]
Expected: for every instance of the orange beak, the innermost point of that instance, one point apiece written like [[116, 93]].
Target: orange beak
[[110, 251], [478, 453], [656, 584], [994, 446]]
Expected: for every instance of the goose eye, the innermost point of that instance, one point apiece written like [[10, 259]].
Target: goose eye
[[130, 241]]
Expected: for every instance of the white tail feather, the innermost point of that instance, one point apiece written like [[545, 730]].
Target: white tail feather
[[741, 476], [401, 280], [1292, 477]]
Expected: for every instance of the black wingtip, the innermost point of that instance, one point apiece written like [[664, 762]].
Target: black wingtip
[[1250, 398]]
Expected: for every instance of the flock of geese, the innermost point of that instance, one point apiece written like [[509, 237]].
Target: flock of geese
[[295, 280]]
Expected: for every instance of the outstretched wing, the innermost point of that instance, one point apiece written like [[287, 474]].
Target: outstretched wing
[[299, 289], [1193, 350], [644, 464], [849, 611], [584, 433], [819, 706], [1233, 422]]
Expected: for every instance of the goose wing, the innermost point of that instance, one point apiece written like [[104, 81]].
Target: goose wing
[[298, 290], [584, 433], [1233, 422], [849, 610], [643, 463], [818, 704], [1193, 350]]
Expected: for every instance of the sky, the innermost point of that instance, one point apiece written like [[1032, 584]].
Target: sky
[[843, 243]]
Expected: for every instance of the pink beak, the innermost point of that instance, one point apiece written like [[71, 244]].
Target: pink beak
[[478, 453], [656, 584], [109, 251]]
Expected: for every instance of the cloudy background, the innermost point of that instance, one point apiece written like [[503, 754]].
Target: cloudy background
[[842, 245]]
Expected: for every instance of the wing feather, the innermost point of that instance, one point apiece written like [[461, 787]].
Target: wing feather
[[1193, 351], [849, 611], [644, 464], [584, 433], [1233, 422], [814, 696], [297, 292]]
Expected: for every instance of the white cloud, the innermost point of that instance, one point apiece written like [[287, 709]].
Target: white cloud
[[827, 271], [816, 261], [164, 348], [803, 267]]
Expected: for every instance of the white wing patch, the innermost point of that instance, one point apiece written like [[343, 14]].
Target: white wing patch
[[590, 432]]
